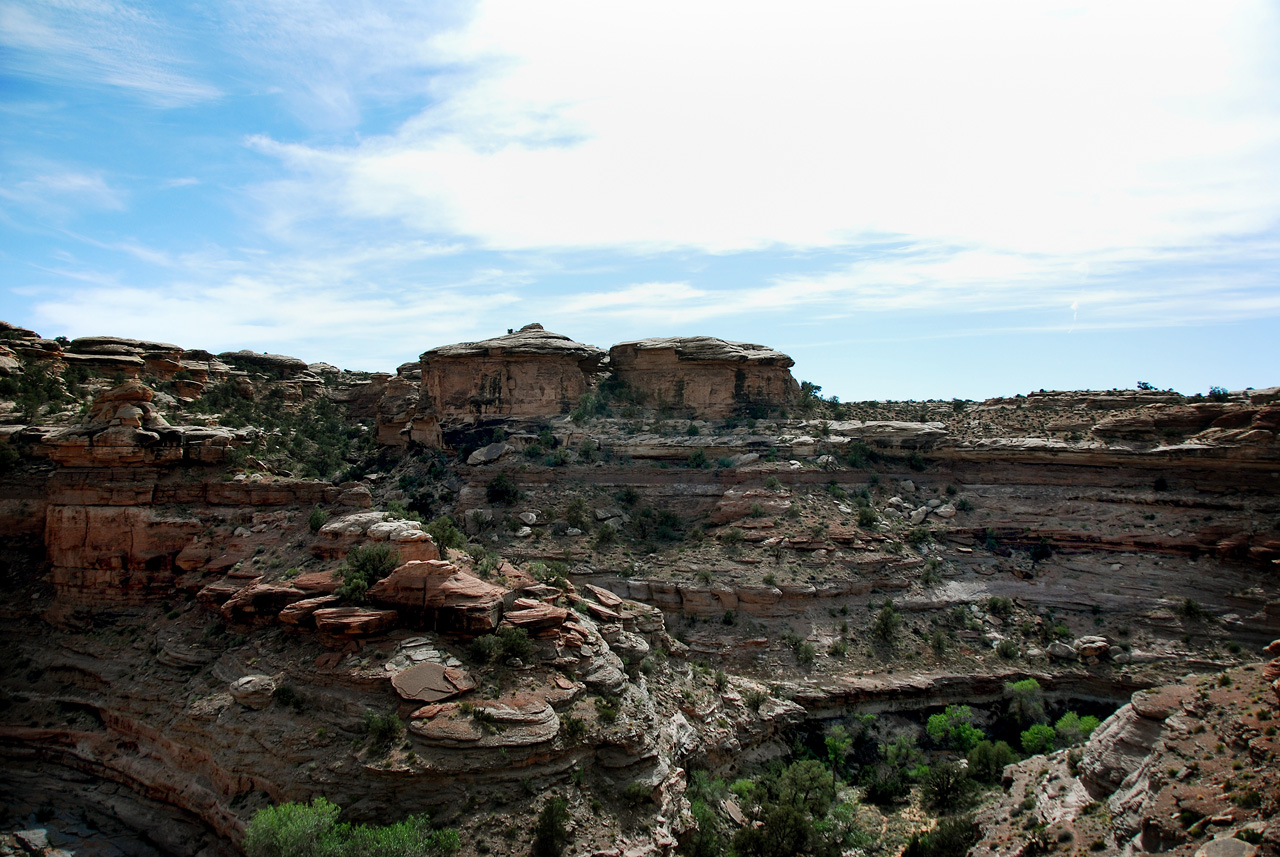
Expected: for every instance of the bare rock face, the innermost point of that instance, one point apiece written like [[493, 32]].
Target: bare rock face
[[531, 372], [440, 596], [1123, 742], [280, 364], [711, 377]]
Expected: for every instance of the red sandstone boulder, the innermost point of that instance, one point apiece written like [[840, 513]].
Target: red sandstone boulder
[[260, 601], [354, 621], [439, 595], [303, 612], [430, 682], [539, 618]]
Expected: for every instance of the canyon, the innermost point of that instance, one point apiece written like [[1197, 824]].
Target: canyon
[[605, 575]]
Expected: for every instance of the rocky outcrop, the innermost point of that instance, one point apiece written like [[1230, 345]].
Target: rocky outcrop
[[439, 596], [704, 376], [531, 372]]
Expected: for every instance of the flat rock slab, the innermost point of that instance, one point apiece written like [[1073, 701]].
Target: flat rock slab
[[430, 682], [537, 618], [521, 724], [355, 621], [604, 596]]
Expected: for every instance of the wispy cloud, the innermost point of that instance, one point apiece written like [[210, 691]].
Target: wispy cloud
[[97, 43], [55, 190]]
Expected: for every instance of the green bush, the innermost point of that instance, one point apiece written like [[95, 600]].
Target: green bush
[[384, 728], [365, 566], [317, 519], [1040, 738], [954, 728], [312, 830], [577, 514], [507, 642], [698, 460], [1025, 700], [944, 786], [1071, 728], [886, 624], [445, 533], [503, 490], [987, 761], [551, 833], [952, 837]]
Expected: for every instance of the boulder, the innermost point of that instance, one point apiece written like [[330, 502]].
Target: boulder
[[354, 621], [431, 682], [253, 691], [489, 454], [519, 722], [1092, 647], [1059, 650], [440, 596], [534, 619]]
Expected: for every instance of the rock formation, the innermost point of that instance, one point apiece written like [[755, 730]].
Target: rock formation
[[531, 372], [706, 377]]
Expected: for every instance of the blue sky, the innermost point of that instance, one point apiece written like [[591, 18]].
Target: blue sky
[[912, 199]]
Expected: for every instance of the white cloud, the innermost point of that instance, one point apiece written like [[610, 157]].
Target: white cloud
[[1035, 129], [349, 305]]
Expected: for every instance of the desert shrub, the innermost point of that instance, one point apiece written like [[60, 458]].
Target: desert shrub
[[505, 643], [963, 505], [1191, 610], [317, 519], [1218, 394], [918, 535], [292, 830], [887, 622], [485, 649], [944, 786], [867, 517], [1007, 649], [365, 566], [987, 761], [754, 698], [916, 462], [772, 483], [1071, 728], [999, 605], [445, 533], [577, 514], [502, 489], [1040, 738], [605, 536], [884, 784], [383, 728], [805, 654], [1041, 550], [312, 830], [952, 837], [698, 460]]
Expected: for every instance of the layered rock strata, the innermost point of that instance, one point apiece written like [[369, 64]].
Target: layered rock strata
[[706, 377]]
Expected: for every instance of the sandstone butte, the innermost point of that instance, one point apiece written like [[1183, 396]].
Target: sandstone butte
[[689, 574]]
